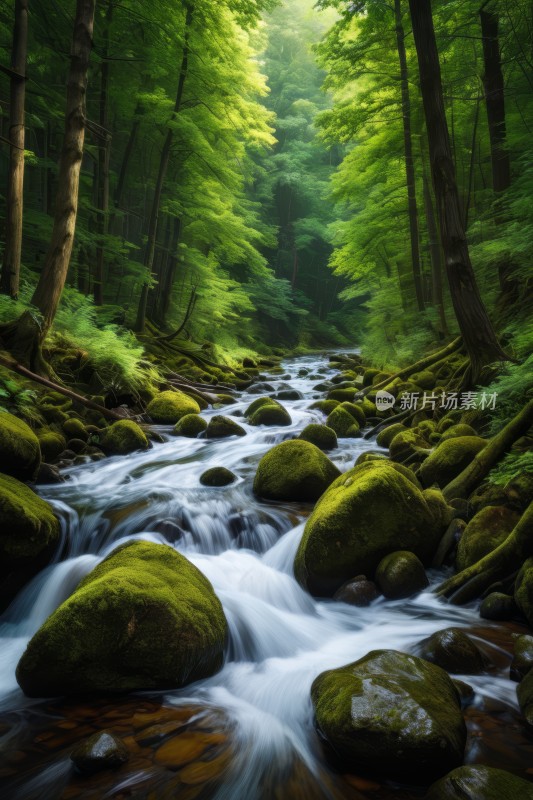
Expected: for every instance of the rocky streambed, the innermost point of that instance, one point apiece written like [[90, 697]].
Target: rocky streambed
[[268, 663]]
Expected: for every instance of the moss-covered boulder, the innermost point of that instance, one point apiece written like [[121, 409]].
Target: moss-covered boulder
[[145, 618], [356, 411], [342, 394], [29, 534], [523, 591], [170, 406], [478, 782], [75, 429], [406, 444], [343, 423], [391, 713], [522, 661], [484, 533], [385, 436], [220, 427], [449, 459], [217, 476], [271, 414], [400, 575], [255, 405], [498, 606], [369, 375], [123, 437], [294, 470], [452, 650], [51, 444], [20, 454], [458, 430], [321, 435], [325, 406], [425, 379], [524, 693], [191, 425], [370, 511], [370, 455]]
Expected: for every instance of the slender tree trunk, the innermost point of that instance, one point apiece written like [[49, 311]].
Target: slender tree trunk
[[435, 254], [476, 328], [128, 151], [104, 156], [409, 159], [10, 277], [165, 288], [52, 279], [162, 173]]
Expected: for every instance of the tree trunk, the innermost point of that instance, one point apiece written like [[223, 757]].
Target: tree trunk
[[104, 156], [162, 173], [121, 183], [52, 279], [409, 160], [435, 254], [476, 328], [165, 288], [10, 278]]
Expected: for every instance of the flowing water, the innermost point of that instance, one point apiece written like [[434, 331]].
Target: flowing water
[[280, 637]]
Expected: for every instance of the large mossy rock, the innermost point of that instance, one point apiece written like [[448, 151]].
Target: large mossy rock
[[484, 533], [272, 413], [51, 444], [370, 511], [294, 470], [20, 454], [190, 426], [123, 437], [169, 407], [343, 423], [405, 444], [400, 575], [391, 713], [320, 435], [29, 534], [452, 650], [449, 459], [221, 427], [523, 591], [385, 436], [478, 782], [145, 618]]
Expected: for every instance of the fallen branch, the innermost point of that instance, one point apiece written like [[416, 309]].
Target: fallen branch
[[56, 387], [482, 463]]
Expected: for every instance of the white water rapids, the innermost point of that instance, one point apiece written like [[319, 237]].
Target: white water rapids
[[280, 637]]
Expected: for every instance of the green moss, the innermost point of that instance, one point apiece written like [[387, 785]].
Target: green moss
[[484, 533], [75, 429], [57, 400], [294, 470], [367, 513], [27, 524], [190, 426], [320, 435], [346, 394], [479, 782], [271, 414], [226, 399], [523, 592], [368, 455], [326, 406], [406, 444], [220, 427], [343, 423], [259, 403], [426, 428], [385, 436], [401, 574], [449, 459], [20, 454], [356, 412], [169, 407], [393, 713], [124, 437], [369, 408], [217, 476], [145, 618], [51, 444], [458, 430]]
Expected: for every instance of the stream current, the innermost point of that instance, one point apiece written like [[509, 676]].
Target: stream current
[[280, 638]]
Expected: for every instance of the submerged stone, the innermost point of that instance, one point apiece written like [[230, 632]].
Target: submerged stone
[[101, 751]]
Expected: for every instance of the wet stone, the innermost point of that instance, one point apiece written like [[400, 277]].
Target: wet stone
[[358, 592], [99, 752]]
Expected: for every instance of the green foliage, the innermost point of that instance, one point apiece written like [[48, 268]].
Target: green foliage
[[510, 467]]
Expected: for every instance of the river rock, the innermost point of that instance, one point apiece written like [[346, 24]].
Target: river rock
[[449, 459], [357, 592], [458, 430], [523, 591], [391, 713], [386, 435], [123, 437], [101, 751], [478, 782], [170, 406], [272, 413], [20, 454], [75, 429], [498, 606], [405, 444], [51, 444], [144, 618], [484, 533], [190, 426], [452, 650], [343, 423], [29, 534], [368, 512], [294, 470], [217, 476], [522, 657], [320, 435], [356, 411], [220, 427], [400, 575]]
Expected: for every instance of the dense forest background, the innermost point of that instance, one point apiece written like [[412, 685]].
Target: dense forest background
[[258, 175]]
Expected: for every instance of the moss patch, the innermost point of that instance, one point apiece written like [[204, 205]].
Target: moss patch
[[484, 533], [20, 454], [343, 423], [169, 407], [294, 470], [323, 437], [449, 459], [190, 426], [217, 476], [124, 437], [220, 427]]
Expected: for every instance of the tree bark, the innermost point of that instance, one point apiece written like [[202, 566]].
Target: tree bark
[[10, 277], [409, 160], [104, 156], [476, 328], [52, 279], [165, 288], [435, 254], [161, 176]]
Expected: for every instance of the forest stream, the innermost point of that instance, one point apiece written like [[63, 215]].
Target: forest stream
[[246, 732]]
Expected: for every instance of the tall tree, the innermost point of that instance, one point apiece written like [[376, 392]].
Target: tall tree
[[10, 277], [476, 328]]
